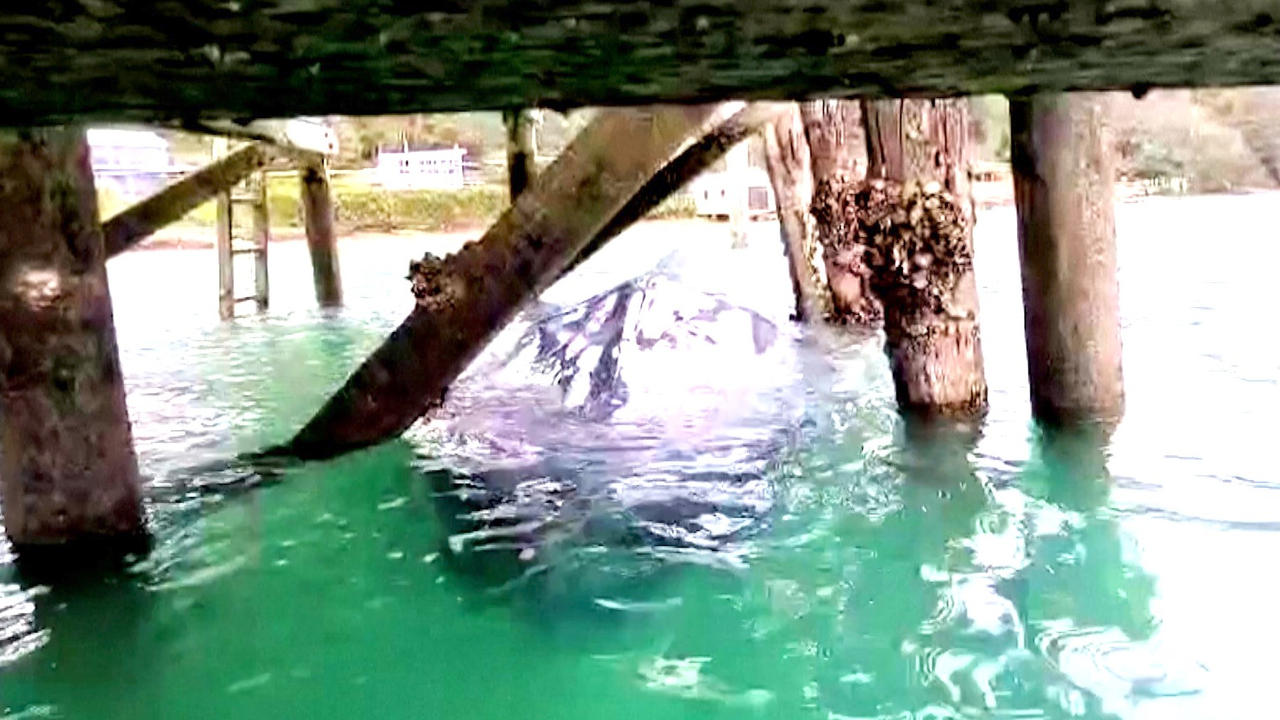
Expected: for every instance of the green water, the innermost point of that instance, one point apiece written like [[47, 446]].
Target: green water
[[748, 531]]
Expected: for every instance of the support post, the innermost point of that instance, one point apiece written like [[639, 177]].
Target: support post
[[522, 150], [914, 215], [787, 157], [67, 464], [833, 131], [261, 244], [322, 243], [464, 299], [224, 230], [1063, 176]]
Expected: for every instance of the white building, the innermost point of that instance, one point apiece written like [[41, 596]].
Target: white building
[[133, 163], [439, 169], [714, 193]]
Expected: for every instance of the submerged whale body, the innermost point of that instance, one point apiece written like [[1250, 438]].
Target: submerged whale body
[[644, 419]]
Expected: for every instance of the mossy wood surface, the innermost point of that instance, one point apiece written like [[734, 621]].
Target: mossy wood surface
[[175, 60]]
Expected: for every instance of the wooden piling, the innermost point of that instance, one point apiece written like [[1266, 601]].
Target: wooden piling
[[692, 162], [787, 158], [522, 149], [69, 474], [914, 216], [833, 131], [223, 237], [1063, 174], [261, 243], [463, 299], [317, 214]]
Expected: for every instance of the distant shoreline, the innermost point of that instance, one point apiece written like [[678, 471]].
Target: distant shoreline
[[195, 237], [201, 238]]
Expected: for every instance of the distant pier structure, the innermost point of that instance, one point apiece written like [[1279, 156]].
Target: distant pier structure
[[891, 245]]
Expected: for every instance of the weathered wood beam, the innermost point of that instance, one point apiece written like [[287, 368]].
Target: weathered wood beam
[[467, 297], [69, 475], [787, 156], [522, 150], [686, 166], [1063, 174], [144, 61], [134, 224], [837, 150], [261, 240], [310, 141]]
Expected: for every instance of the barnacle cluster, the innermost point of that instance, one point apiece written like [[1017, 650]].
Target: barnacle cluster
[[433, 286], [913, 237]]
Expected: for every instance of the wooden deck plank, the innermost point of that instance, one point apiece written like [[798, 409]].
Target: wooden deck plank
[[145, 60]]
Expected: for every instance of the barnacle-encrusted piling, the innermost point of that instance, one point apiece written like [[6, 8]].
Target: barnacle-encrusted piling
[[434, 288], [838, 157], [912, 222], [916, 243], [522, 149]]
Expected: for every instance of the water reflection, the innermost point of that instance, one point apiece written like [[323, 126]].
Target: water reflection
[[1088, 597]]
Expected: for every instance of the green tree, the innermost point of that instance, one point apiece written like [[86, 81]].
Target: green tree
[[989, 127]]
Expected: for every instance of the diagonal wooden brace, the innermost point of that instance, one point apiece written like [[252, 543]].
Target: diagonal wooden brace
[[481, 288]]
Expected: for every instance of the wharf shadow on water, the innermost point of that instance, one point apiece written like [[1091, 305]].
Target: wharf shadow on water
[[917, 604], [928, 588]]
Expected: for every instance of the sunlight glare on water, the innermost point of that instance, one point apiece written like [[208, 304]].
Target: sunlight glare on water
[[654, 497]]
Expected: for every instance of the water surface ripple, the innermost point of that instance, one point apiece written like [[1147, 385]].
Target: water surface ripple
[[655, 497]]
